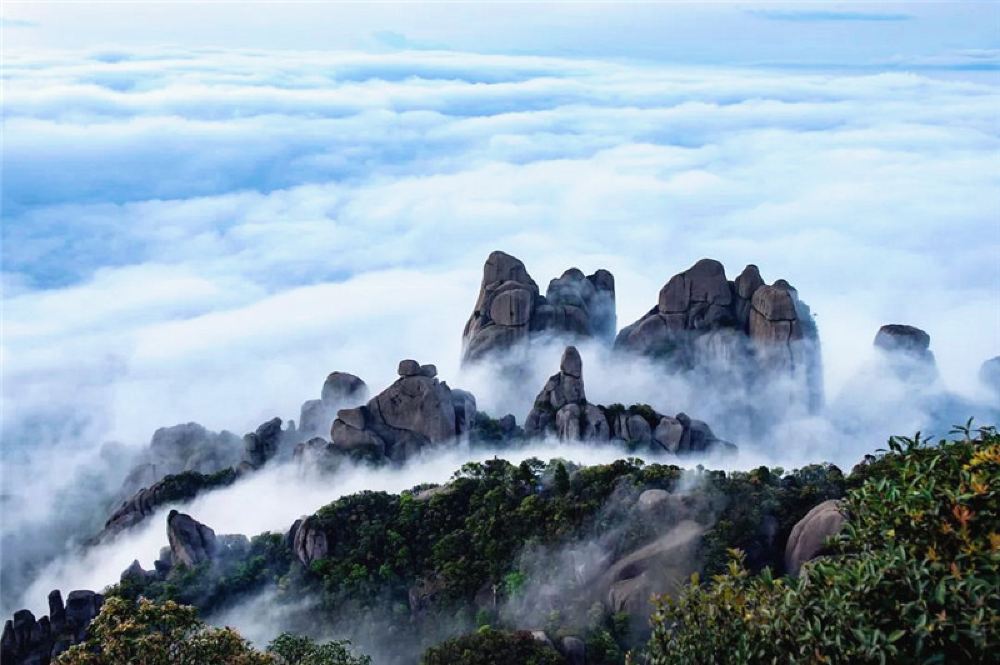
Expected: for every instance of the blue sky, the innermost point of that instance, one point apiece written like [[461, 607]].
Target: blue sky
[[196, 195]]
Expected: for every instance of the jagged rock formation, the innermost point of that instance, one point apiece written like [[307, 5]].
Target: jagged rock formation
[[172, 489], [307, 540], [807, 537], [340, 390], [743, 331], [416, 411], [263, 444], [180, 448], [510, 309], [562, 409], [26, 641]]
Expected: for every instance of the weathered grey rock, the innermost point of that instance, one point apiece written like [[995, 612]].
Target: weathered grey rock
[[416, 411], [191, 542], [568, 422], [668, 433], [663, 566], [409, 368], [639, 430], [562, 389], [307, 540], [263, 444], [509, 308], [342, 387], [898, 337], [27, 641], [809, 534], [743, 334]]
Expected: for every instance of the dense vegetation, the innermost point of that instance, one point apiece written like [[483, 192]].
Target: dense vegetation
[[436, 560], [913, 577], [170, 634], [493, 647]]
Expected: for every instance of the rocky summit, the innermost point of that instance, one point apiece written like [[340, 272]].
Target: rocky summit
[[744, 330], [510, 310], [562, 409]]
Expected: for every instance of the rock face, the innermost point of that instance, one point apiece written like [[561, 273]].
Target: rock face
[[191, 542], [181, 448], [307, 540], [170, 489], [662, 566], [263, 444], [907, 352], [510, 309], [808, 535], [562, 409], [340, 390], [743, 331], [26, 641], [416, 411]]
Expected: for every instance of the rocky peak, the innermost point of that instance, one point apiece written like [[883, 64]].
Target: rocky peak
[[340, 390], [191, 542], [417, 410], [509, 308], [752, 332], [27, 641], [562, 409]]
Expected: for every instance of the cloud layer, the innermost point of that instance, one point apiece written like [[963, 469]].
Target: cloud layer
[[204, 234]]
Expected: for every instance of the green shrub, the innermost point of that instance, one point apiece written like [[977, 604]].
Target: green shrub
[[493, 647], [913, 576]]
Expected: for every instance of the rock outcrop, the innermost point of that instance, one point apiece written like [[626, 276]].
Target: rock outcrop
[[178, 449], [907, 351], [340, 390], [172, 489], [27, 641], [809, 534], [191, 542], [662, 566], [562, 409], [307, 540], [416, 411], [743, 331], [510, 309]]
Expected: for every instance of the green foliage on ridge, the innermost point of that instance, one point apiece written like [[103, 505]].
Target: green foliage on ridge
[[913, 577]]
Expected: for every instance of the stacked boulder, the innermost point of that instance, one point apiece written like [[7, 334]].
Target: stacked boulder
[[340, 390], [416, 411], [562, 409], [510, 310], [750, 331], [26, 641]]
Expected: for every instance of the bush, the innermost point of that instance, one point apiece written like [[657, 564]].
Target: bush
[[913, 576], [493, 647]]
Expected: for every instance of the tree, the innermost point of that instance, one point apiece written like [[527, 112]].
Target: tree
[[561, 479], [493, 647], [299, 650], [913, 576], [159, 634]]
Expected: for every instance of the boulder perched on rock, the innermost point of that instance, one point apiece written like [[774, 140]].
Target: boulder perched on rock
[[416, 411], [743, 331], [510, 309], [27, 641], [562, 409], [809, 534], [340, 390]]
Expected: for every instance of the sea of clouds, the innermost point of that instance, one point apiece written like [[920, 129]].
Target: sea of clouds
[[203, 234]]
